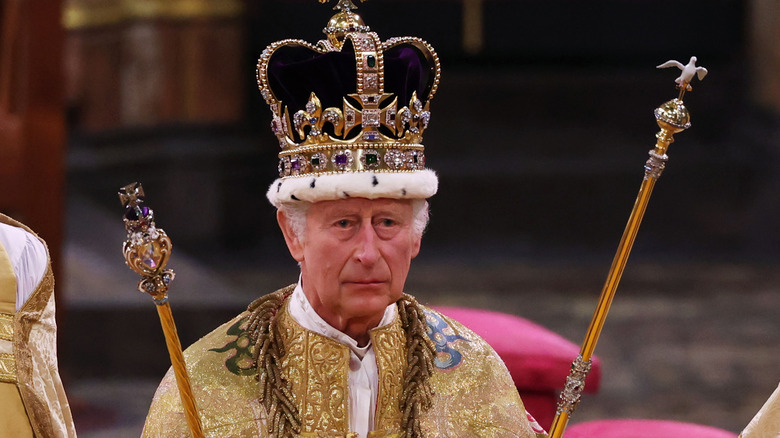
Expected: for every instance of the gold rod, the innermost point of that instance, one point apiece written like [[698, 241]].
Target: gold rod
[[617, 268], [180, 369], [559, 425], [672, 117], [610, 288]]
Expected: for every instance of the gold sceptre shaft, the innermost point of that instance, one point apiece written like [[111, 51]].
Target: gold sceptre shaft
[[146, 252], [672, 117]]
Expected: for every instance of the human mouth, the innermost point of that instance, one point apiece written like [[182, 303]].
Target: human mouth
[[368, 282]]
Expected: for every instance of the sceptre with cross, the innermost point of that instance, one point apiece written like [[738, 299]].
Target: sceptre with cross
[[146, 252]]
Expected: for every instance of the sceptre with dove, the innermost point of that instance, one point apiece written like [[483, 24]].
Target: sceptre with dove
[[688, 71]]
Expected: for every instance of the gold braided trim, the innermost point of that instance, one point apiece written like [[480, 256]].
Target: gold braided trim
[[6, 327], [418, 394], [7, 368], [276, 391]]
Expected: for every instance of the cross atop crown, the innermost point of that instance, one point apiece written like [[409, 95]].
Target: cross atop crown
[[343, 5]]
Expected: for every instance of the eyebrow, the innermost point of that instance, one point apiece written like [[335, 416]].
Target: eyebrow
[[338, 212]]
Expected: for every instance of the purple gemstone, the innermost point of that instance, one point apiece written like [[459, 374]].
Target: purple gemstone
[[341, 159], [296, 164], [137, 213]]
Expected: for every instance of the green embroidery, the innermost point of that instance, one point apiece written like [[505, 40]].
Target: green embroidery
[[240, 363]]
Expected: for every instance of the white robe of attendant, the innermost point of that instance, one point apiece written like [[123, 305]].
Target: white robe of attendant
[[28, 258]]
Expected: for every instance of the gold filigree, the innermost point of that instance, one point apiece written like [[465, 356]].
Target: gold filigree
[[477, 399], [317, 368], [343, 5], [298, 369], [575, 384], [389, 344], [7, 368], [147, 256], [147, 248], [6, 327], [315, 118], [413, 119]]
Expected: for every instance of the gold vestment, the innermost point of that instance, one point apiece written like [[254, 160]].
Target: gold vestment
[[474, 395], [766, 423], [32, 399]]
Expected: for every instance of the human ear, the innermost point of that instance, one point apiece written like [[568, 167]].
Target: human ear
[[416, 242], [294, 244]]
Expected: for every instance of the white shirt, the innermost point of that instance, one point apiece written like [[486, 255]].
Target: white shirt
[[363, 376], [28, 258]]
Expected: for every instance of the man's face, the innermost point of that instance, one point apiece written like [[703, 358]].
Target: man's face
[[355, 256]]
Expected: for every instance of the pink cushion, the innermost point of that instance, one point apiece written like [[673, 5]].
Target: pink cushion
[[643, 429], [537, 358]]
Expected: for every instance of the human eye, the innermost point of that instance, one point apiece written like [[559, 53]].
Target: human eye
[[387, 227], [342, 223], [386, 222]]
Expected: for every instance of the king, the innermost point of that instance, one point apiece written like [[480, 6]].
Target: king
[[344, 352]]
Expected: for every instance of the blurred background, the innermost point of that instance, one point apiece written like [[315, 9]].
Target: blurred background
[[540, 129]]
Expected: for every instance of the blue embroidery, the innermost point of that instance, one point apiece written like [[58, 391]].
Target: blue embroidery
[[443, 337]]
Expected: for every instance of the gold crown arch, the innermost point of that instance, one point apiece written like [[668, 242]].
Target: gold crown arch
[[358, 142]]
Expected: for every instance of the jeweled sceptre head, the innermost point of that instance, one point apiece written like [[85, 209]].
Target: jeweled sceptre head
[[147, 248], [349, 113]]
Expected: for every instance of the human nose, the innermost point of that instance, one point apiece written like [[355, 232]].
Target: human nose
[[367, 248]]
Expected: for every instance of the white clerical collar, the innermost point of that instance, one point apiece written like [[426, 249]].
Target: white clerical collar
[[304, 313]]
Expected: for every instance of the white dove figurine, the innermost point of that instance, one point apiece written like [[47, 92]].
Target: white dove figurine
[[687, 71]]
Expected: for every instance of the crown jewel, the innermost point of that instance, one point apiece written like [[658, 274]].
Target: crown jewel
[[350, 103]]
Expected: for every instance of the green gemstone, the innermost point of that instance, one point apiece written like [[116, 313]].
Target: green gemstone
[[315, 161], [372, 159], [371, 61]]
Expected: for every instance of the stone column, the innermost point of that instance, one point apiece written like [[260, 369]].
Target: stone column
[[764, 30], [154, 62]]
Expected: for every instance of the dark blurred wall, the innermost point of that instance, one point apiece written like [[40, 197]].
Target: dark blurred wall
[[32, 135], [148, 64], [541, 124]]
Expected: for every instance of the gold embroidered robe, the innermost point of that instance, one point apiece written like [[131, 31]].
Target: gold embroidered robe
[[766, 423], [474, 395], [32, 399]]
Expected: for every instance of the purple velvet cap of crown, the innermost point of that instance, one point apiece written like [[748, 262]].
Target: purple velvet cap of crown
[[295, 71]]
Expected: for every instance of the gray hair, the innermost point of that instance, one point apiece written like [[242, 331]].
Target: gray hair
[[296, 216]]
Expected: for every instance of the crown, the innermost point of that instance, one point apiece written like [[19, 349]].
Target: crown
[[348, 110]]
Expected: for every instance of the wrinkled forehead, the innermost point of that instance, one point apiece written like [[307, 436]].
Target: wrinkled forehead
[[361, 207]]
